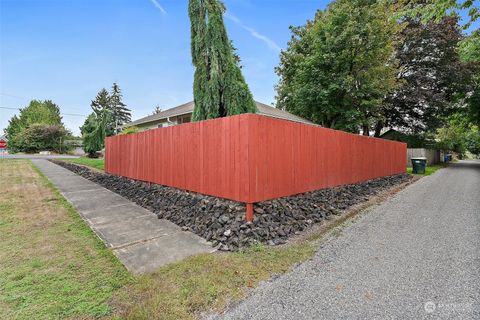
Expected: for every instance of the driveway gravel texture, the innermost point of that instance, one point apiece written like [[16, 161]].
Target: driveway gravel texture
[[415, 256], [222, 222]]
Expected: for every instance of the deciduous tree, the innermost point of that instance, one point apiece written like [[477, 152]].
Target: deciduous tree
[[459, 135], [470, 55], [338, 68], [436, 10], [37, 112], [40, 137], [431, 75]]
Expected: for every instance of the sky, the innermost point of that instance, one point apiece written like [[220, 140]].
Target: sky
[[68, 50]]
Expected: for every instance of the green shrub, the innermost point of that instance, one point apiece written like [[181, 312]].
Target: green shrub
[[42, 137], [45, 112], [129, 130]]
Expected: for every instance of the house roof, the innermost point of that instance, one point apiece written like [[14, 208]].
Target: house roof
[[389, 132], [187, 108], [273, 112]]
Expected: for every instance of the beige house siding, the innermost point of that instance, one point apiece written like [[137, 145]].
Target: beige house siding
[[155, 125], [166, 122]]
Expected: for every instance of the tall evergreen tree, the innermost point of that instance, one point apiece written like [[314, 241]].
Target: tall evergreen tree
[[120, 113], [109, 113], [219, 88], [99, 124], [103, 112]]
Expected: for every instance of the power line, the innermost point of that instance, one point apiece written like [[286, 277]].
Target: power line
[[10, 95], [63, 114]]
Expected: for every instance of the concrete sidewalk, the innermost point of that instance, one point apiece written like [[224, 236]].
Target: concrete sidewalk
[[137, 237]]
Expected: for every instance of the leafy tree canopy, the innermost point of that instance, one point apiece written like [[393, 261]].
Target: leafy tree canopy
[[338, 68], [459, 135], [40, 137], [36, 113], [219, 88], [437, 9], [432, 76], [470, 55], [470, 48]]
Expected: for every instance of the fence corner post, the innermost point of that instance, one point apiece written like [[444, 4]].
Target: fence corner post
[[249, 213]]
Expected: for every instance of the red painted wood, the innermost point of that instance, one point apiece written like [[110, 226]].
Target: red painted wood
[[249, 212], [251, 158]]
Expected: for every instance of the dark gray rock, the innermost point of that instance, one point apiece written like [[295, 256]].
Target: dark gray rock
[[222, 222]]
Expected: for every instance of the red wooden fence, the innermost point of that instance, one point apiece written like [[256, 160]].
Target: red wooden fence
[[251, 158]]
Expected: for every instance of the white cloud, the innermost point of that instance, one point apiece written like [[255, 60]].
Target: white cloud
[[159, 6], [254, 33]]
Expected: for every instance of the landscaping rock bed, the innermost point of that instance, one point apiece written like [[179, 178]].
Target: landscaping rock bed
[[223, 221]]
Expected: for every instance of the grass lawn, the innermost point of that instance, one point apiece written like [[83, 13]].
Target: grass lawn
[[93, 163], [52, 266], [428, 170], [205, 282]]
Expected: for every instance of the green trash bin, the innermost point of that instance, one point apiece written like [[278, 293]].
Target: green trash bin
[[419, 165]]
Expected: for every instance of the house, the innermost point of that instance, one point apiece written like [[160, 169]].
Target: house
[[412, 140], [183, 114]]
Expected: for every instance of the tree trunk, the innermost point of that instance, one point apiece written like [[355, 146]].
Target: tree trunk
[[378, 129], [366, 130]]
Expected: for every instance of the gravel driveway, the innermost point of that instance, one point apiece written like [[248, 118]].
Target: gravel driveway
[[416, 256]]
